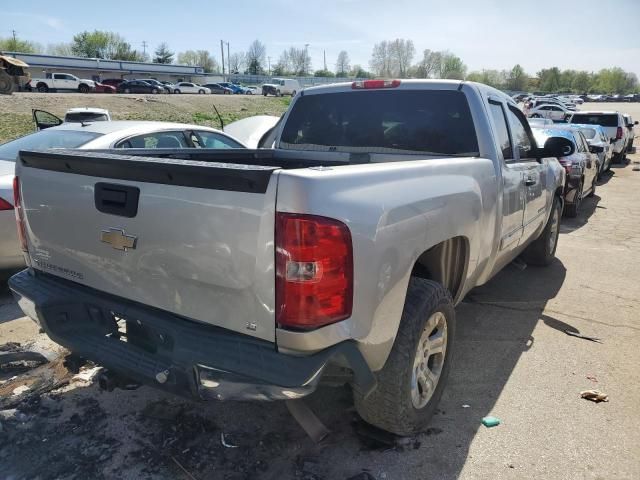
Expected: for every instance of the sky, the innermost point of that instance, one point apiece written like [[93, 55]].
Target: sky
[[491, 34]]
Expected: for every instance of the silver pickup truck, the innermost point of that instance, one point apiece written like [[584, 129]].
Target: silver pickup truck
[[256, 274]]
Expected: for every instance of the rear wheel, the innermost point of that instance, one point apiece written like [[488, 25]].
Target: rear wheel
[[7, 86], [593, 187], [42, 88], [278, 94], [176, 91], [571, 209], [293, 94], [83, 88], [154, 90], [201, 91], [412, 380], [542, 251], [127, 90]]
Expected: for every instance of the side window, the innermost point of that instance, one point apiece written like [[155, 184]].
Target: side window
[[521, 137], [502, 130], [155, 140], [204, 139]]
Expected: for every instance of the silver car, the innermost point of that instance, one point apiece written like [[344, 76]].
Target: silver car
[[597, 137], [97, 135]]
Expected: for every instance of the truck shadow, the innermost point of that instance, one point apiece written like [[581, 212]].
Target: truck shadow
[[150, 434], [587, 209]]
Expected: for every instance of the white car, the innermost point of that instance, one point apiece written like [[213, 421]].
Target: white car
[[613, 124], [44, 119], [254, 132], [281, 86], [58, 82], [554, 112], [188, 87], [97, 135], [540, 122]]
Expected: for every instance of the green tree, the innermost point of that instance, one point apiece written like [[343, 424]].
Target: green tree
[[517, 79], [581, 82], [549, 79], [102, 44], [199, 58], [255, 57], [452, 67], [163, 54], [323, 73], [16, 45], [358, 72]]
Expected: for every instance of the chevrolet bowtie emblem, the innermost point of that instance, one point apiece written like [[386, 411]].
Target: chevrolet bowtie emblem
[[118, 239]]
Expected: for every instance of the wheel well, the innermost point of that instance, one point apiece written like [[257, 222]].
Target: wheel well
[[445, 263], [41, 83]]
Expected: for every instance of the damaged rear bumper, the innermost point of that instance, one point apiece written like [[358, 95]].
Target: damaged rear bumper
[[170, 352]]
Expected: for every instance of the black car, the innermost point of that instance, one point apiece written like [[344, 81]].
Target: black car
[[137, 86], [152, 81], [217, 88]]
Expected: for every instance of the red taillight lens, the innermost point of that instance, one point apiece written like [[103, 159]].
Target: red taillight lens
[[314, 271], [4, 205], [619, 133], [370, 84], [17, 203]]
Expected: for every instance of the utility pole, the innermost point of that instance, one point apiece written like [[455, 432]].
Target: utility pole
[[144, 48], [269, 63], [228, 58], [15, 41], [324, 54], [222, 51]]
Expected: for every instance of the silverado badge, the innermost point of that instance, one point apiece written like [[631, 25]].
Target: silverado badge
[[118, 239]]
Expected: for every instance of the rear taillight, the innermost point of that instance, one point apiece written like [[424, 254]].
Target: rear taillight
[[371, 84], [4, 205], [314, 271], [17, 202], [619, 133]]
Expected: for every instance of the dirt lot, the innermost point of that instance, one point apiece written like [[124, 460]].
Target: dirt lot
[[15, 110], [513, 360]]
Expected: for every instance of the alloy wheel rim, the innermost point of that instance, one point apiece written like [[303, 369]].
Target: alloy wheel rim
[[429, 360]]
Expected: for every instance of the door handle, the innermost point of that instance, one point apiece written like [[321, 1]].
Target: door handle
[[529, 181]]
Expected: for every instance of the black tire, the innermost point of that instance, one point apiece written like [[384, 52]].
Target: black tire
[[278, 94], [7, 85], [82, 88], [201, 91], [593, 187], [264, 93], [126, 90], [176, 91], [535, 115], [542, 250], [42, 88], [293, 94], [390, 405], [154, 91], [571, 209]]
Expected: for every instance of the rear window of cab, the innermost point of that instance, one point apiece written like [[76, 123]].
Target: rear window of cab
[[604, 119], [435, 122]]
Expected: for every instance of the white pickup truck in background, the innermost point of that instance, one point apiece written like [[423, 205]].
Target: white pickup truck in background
[[56, 82], [250, 274]]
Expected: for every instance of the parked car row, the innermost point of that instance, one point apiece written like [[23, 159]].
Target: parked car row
[[599, 138]]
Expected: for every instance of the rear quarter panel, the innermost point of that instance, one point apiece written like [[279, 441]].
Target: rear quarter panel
[[395, 212]]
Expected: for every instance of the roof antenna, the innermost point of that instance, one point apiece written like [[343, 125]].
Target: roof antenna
[[219, 117]]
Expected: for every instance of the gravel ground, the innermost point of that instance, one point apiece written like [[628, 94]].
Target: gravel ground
[[513, 360]]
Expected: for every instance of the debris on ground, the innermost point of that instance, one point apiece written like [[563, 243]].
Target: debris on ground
[[490, 421], [592, 378], [224, 442], [594, 395], [584, 337]]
